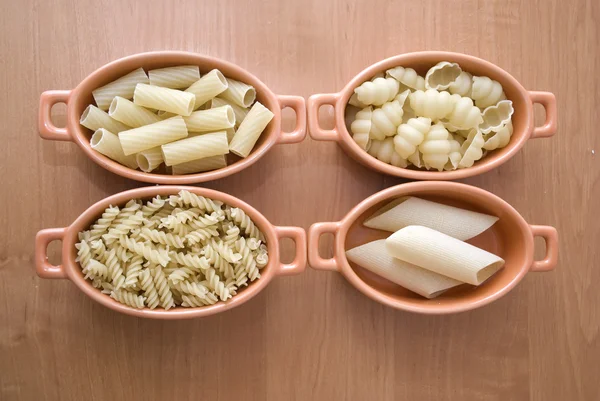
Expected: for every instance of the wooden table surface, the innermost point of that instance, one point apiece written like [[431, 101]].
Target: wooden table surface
[[313, 336]]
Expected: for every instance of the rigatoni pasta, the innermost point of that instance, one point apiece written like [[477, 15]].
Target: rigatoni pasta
[[149, 159], [239, 93], [179, 77], [200, 165], [108, 144], [249, 131], [171, 100], [149, 136], [93, 118], [218, 118], [131, 114], [197, 147], [208, 87], [123, 87]]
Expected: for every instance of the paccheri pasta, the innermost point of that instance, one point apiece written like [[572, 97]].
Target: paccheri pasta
[[185, 250], [144, 120], [426, 116], [426, 253]]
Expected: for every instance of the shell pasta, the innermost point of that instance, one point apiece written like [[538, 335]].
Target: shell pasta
[[424, 114], [135, 115]]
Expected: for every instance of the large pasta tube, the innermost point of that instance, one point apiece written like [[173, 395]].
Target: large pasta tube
[[174, 77], [171, 100], [108, 144], [150, 159], [124, 87], [197, 147], [197, 166], [94, 119], [442, 254], [131, 114], [149, 136], [239, 93], [249, 131], [407, 211], [208, 87], [216, 119], [240, 112], [374, 257]]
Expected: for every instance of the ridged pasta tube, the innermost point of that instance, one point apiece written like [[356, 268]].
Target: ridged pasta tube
[[486, 92], [462, 84], [208, 87], [178, 77], [147, 285], [131, 114], [385, 120], [361, 127], [239, 112], [378, 91], [239, 93], [435, 148], [197, 147], [165, 99], [93, 118], [161, 237], [124, 87], [385, 151], [464, 114], [431, 103], [130, 299], [250, 130], [154, 255], [150, 159], [215, 119], [108, 144], [410, 135], [407, 77], [149, 136], [200, 165]]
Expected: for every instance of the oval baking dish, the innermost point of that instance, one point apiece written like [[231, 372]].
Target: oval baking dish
[[510, 238], [522, 99], [80, 97], [71, 270]]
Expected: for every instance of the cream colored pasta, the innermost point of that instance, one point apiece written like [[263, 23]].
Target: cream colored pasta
[[239, 93], [500, 138], [197, 147], [442, 75], [407, 211], [123, 87], [496, 116], [386, 119], [250, 130], [361, 128], [208, 87], [462, 84], [200, 165], [486, 92], [407, 77], [149, 159], [240, 112], [454, 156], [431, 103], [410, 135], [93, 118], [464, 114], [472, 149], [179, 77], [131, 114], [374, 257], [171, 100], [377, 92], [355, 102], [384, 151], [150, 136], [442, 254], [108, 144], [219, 118], [435, 148]]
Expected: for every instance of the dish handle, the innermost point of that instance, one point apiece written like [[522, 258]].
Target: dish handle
[[298, 235], [314, 235], [297, 104], [314, 104], [45, 125], [548, 100], [550, 235], [43, 267]]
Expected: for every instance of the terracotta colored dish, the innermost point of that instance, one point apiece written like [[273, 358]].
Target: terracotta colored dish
[[80, 97], [70, 269], [511, 238], [523, 123]]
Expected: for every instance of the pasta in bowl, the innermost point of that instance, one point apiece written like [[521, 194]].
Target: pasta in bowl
[[496, 229], [124, 114], [170, 252], [425, 116]]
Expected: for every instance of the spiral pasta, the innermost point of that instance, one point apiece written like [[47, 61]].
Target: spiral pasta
[[129, 210], [84, 253], [187, 198], [431, 103], [361, 128], [128, 298], [232, 233], [159, 256], [486, 92], [165, 295], [215, 284], [407, 77], [215, 259], [247, 261], [378, 91], [246, 224], [103, 223], [149, 289], [181, 274], [201, 235], [191, 261], [134, 270], [410, 135], [123, 228], [95, 269], [161, 237], [152, 207], [435, 147]]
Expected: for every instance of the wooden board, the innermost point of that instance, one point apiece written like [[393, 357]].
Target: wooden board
[[309, 337]]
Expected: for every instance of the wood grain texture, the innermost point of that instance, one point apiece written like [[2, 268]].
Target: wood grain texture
[[309, 337]]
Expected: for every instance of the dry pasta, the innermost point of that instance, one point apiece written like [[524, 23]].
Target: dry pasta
[[208, 87], [93, 118], [377, 92], [194, 148], [179, 77], [249, 131], [149, 136], [150, 159], [239, 93], [199, 165], [123, 87], [108, 144], [215, 119], [169, 100], [131, 114]]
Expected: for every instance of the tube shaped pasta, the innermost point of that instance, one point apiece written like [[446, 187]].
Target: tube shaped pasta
[[408, 211], [131, 114], [149, 136], [375, 258], [249, 131], [108, 144], [171, 100], [239, 93], [216, 119], [174, 77], [200, 165], [208, 87], [124, 87], [240, 112], [197, 147], [149, 159], [93, 118], [442, 254]]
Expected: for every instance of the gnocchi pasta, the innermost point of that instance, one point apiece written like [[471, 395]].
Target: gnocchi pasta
[[445, 120], [199, 253]]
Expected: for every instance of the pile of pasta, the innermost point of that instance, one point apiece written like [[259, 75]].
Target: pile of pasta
[[185, 250], [161, 125], [427, 253], [446, 120]]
